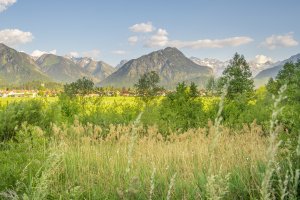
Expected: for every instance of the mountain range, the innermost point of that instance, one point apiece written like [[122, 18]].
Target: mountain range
[[171, 64], [218, 66], [17, 68]]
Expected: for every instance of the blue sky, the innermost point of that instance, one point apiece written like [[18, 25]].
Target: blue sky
[[113, 30]]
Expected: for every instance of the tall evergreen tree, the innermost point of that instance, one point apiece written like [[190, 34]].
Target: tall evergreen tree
[[238, 77]]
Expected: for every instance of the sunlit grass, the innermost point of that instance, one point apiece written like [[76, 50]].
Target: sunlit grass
[[96, 167]]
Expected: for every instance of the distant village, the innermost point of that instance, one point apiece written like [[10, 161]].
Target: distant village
[[53, 93], [25, 93]]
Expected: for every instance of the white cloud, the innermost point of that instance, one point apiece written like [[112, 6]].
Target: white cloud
[[38, 53], [159, 39], [73, 54], [211, 43], [142, 28], [133, 40], [275, 41], [4, 4], [12, 37], [94, 54], [261, 59], [119, 52]]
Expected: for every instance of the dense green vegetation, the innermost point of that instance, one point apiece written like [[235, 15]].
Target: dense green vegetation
[[241, 144]]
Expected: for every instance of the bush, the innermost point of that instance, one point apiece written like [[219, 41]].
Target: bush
[[241, 110], [69, 107], [181, 110], [14, 114]]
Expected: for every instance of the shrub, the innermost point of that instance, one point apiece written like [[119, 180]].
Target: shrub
[[181, 110], [14, 114]]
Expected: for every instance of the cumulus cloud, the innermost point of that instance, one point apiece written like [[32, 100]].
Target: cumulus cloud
[[261, 59], [275, 41], [159, 39], [38, 53], [4, 4], [133, 40], [211, 43], [142, 28], [14, 37], [119, 52], [94, 54]]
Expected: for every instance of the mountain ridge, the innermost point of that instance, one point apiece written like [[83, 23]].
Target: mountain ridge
[[170, 63], [262, 77]]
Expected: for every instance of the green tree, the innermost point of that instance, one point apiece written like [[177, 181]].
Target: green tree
[[147, 86], [211, 85], [73, 96], [81, 87], [272, 86], [289, 76], [238, 77], [193, 90]]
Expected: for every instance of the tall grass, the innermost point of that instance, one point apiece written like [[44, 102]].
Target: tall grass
[[93, 167], [81, 164]]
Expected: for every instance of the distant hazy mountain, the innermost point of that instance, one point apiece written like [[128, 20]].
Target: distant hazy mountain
[[219, 66], [123, 62], [60, 68], [263, 76], [18, 68], [171, 65], [98, 69], [258, 67]]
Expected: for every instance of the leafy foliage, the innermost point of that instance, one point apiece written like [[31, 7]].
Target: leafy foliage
[[290, 76], [238, 77], [81, 87], [15, 114], [212, 85], [180, 110], [147, 86]]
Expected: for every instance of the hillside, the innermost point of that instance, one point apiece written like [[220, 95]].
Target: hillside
[[17, 67], [61, 69]]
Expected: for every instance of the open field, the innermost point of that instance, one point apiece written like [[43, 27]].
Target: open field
[[104, 150]]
